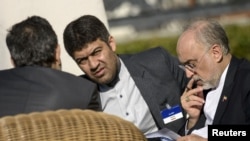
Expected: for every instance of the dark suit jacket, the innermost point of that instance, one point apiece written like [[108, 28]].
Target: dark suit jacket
[[160, 80], [234, 103], [28, 89]]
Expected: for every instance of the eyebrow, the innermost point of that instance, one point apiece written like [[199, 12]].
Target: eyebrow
[[91, 53], [78, 60]]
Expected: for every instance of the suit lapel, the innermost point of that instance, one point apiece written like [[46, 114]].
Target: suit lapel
[[140, 77], [227, 89], [145, 87]]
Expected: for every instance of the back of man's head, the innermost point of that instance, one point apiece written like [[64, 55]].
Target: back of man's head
[[32, 42]]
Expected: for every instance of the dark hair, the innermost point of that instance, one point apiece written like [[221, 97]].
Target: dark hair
[[32, 42], [82, 31]]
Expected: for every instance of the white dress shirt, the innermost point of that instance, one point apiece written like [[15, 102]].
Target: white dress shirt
[[210, 106], [125, 101]]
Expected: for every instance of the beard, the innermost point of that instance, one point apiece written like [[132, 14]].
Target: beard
[[209, 83]]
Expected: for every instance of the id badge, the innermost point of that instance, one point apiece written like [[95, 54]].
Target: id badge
[[171, 114]]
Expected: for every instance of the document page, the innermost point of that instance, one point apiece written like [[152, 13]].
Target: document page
[[165, 134]]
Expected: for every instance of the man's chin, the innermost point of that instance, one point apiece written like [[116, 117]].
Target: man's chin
[[207, 86]]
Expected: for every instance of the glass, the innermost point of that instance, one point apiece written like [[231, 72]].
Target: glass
[[192, 66]]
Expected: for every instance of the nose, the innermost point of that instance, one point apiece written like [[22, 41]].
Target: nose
[[189, 73], [93, 63]]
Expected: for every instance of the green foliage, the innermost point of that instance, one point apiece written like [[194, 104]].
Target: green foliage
[[135, 46], [168, 43], [239, 40]]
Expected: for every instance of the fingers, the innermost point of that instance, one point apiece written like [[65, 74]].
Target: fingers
[[194, 94], [187, 99], [194, 98], [187, 89], [194, 91], [190, 85]]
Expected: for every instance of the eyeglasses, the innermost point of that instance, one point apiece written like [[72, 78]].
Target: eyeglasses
[[193, 66]]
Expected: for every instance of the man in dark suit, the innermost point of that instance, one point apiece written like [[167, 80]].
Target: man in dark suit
[[36, 82], [143, 88], [204, 51]]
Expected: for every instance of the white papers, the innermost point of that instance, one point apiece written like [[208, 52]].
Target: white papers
[[165, 134]]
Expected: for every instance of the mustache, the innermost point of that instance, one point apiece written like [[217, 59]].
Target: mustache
[[196, 78]]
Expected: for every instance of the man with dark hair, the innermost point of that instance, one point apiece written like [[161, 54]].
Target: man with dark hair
[[36, 83], [143, 88]]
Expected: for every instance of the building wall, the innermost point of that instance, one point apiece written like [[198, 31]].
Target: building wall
[[131, 20], [58, 12]]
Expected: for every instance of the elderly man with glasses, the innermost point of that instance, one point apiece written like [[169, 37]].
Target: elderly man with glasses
[[218, 91]]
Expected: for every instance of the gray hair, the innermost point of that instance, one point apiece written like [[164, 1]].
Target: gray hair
[[209, 32]]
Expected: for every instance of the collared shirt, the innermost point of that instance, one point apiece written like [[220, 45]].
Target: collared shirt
[[210, 106], [125, 101]]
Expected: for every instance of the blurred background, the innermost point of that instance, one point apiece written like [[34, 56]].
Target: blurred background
[[141, 24], [136, 24]]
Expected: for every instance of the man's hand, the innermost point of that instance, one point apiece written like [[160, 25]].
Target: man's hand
[[192, 101]]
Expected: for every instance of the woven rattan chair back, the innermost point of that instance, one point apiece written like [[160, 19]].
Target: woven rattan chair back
[[68, 125]]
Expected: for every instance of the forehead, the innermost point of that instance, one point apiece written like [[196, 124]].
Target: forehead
[[89, 48], [187, 47]]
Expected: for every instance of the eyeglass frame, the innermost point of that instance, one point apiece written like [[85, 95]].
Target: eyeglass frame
[[191, 66]]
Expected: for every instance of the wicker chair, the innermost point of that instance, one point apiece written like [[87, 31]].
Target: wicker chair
[[68, 125]]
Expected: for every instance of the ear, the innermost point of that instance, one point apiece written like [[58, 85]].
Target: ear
[[217, 52], [57, 64], [58, 52], [112, 43], [12, 62]]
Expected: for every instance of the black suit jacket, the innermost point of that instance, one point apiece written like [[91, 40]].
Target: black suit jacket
[[29, 89], [234, 103], [160, 80]]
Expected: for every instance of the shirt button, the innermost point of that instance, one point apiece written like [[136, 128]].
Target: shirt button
[[127, 113], [120, 96]]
